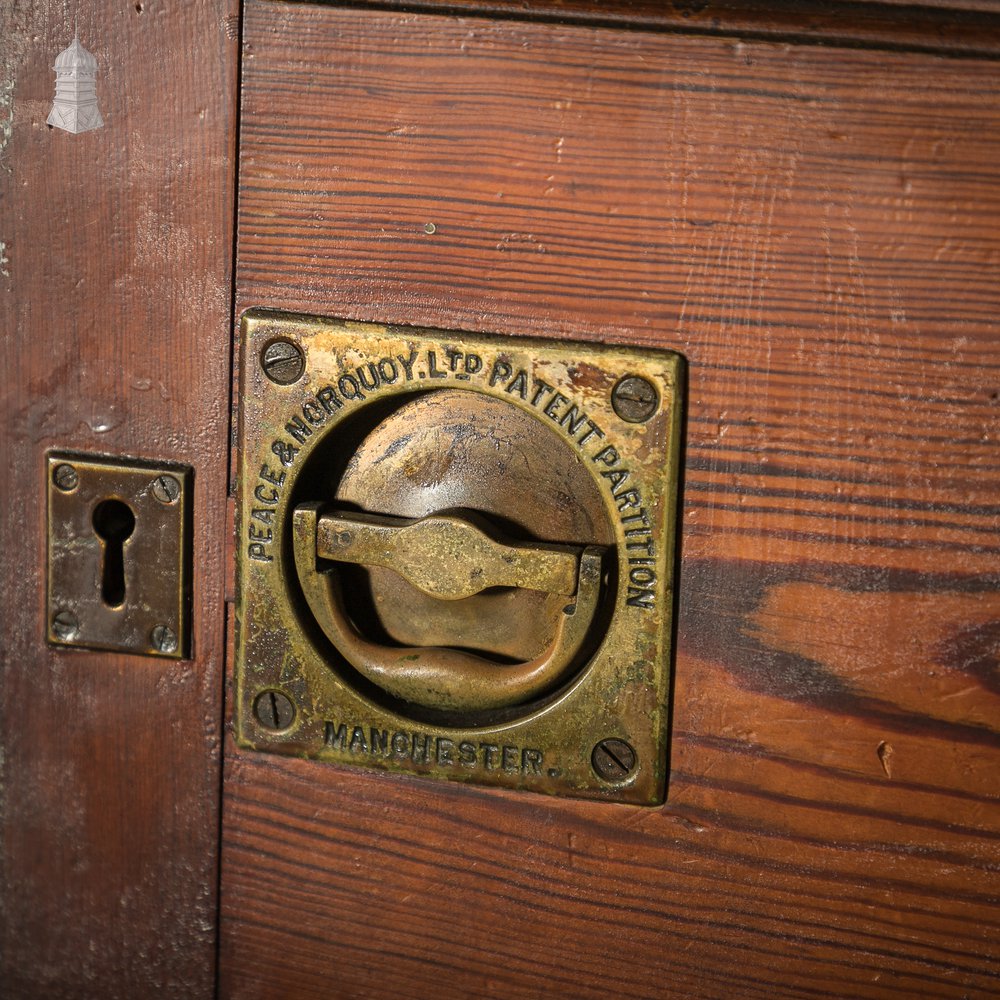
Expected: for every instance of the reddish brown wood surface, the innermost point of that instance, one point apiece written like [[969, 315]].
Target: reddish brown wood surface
[[817, 230], [115, 298], [962, 27]]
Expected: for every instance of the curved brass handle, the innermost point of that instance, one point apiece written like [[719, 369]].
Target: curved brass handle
[[472, 561], [444, 556]]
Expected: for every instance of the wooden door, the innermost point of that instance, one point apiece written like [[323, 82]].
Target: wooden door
[[814, 226]]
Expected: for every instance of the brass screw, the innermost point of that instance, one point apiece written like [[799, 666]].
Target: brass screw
[[65, 626], [274, 710], [634, 399], [65, 477], [613, 760], [166, 489], [283, 362], [164, 639]]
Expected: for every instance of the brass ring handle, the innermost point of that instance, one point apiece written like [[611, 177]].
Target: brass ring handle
[[444, 678]]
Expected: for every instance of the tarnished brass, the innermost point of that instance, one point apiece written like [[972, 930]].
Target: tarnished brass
[[118, 554], [443, 677], [452, 449], [455, 556], [445, 556]]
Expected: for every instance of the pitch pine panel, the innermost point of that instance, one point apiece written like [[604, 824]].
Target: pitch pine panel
[[816, 229]]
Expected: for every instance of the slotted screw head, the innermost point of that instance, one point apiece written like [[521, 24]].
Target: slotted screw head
[[274, 710], [635, 399], [613, 760], [166, 489], [164, 639], [65, 477], [283, 362], [65, 626]]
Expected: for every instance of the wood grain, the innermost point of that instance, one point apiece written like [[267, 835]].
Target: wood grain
[[115, 297], [817, 230], [963, 28]]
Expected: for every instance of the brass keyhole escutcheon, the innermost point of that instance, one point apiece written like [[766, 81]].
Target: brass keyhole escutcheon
[[118, 559], [456, 554]]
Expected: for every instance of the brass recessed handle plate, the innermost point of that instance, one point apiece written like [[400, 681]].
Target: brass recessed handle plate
[[455, 554]]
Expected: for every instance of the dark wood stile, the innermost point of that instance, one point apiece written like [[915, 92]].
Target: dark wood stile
[[816, 229], [115, 296]]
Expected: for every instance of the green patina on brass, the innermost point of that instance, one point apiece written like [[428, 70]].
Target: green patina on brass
[[455, 555]]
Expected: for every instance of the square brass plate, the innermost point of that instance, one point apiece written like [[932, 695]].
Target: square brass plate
[[135, 599], [307, 382]]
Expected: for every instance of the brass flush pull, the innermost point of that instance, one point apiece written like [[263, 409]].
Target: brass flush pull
[[455, 554], [450, 559]]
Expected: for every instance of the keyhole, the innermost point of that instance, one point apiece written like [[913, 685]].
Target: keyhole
[[114, 523]]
